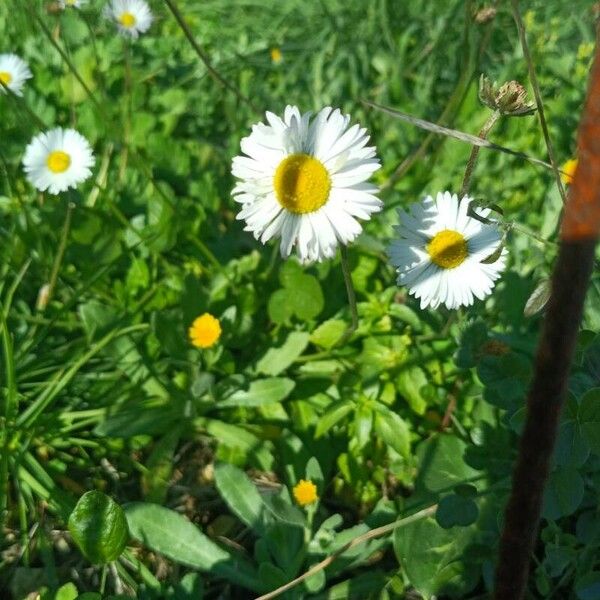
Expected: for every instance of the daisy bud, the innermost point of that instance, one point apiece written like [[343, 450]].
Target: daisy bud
[[43, 297], [485, 15], [509, 99]]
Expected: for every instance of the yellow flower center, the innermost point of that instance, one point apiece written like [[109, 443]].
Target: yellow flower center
[[276, 55], [568, 171], [205, 331], [70, 2], [305, 492], [5, 77], [58, 161], [302, 183], [447, 249], [127, 19]]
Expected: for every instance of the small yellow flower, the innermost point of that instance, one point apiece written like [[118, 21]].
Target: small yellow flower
[[276, 55], [305, 492], [568, 171], [205, 331]]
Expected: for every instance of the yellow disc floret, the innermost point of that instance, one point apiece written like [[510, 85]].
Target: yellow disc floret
[[276, 55], [127, 19], [447, 249], [305, 492], [568, 171], [5, 77], [58, 161], [302, 183], [205, 331]]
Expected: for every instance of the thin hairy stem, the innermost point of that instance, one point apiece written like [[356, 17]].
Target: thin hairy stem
[[204, 56], [538, 97], [61, 252], [483, 133], [361, 539], [351, 296]]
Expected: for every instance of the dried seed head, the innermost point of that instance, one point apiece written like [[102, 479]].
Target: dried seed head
[[485, 15], [509, 99]]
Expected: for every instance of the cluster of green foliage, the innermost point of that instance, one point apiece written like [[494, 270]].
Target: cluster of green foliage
[[192, 455]]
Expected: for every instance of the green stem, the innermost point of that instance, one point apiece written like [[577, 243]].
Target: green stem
[[103, 578], [538, 96], [11, 407], [60, 253], [483, 133], [373, 534], [351, 296], [204, 56]]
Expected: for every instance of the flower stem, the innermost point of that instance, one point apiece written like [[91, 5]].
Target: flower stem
[[538, 96], [351, 296], [204, 56], [61, 251], [483, 133]]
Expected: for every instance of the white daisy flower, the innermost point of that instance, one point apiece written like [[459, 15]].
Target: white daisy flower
[[440, 249], [58, 160], [72, 3], [14, 72], [305, 180], [131, 16]]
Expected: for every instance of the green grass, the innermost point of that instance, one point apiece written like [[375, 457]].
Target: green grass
[[101, 389]]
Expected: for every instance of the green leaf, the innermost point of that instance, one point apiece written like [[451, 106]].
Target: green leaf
[[241, 495], [165, 531], [327, 334], [538, 299], [471, 340], [307, 297], [191, 587], [315, 583], [588, 586], [410, 383], [406, 314], [456, 510], [277, 360], [150, 417], [393, 430], [564, 493], [283, 511], [335, 413], [67, 592], [506, 379], [441, 463], [432, 558], [98, 527], [279, 308], [97, 318], [314, 473], [589, 419], [263, 391], [359, 587]]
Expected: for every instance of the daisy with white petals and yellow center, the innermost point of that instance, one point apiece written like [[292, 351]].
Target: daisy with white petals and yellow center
[[131, 16], [440, 253], [304, 180], [72, 3], [14, 72], [58, 160]]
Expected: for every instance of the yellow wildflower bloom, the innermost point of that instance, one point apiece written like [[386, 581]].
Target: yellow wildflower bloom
[[568, 171], [276, 55], [305, 492], [205, 331]]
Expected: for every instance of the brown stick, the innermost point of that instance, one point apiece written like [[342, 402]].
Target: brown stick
[[580, 230]]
